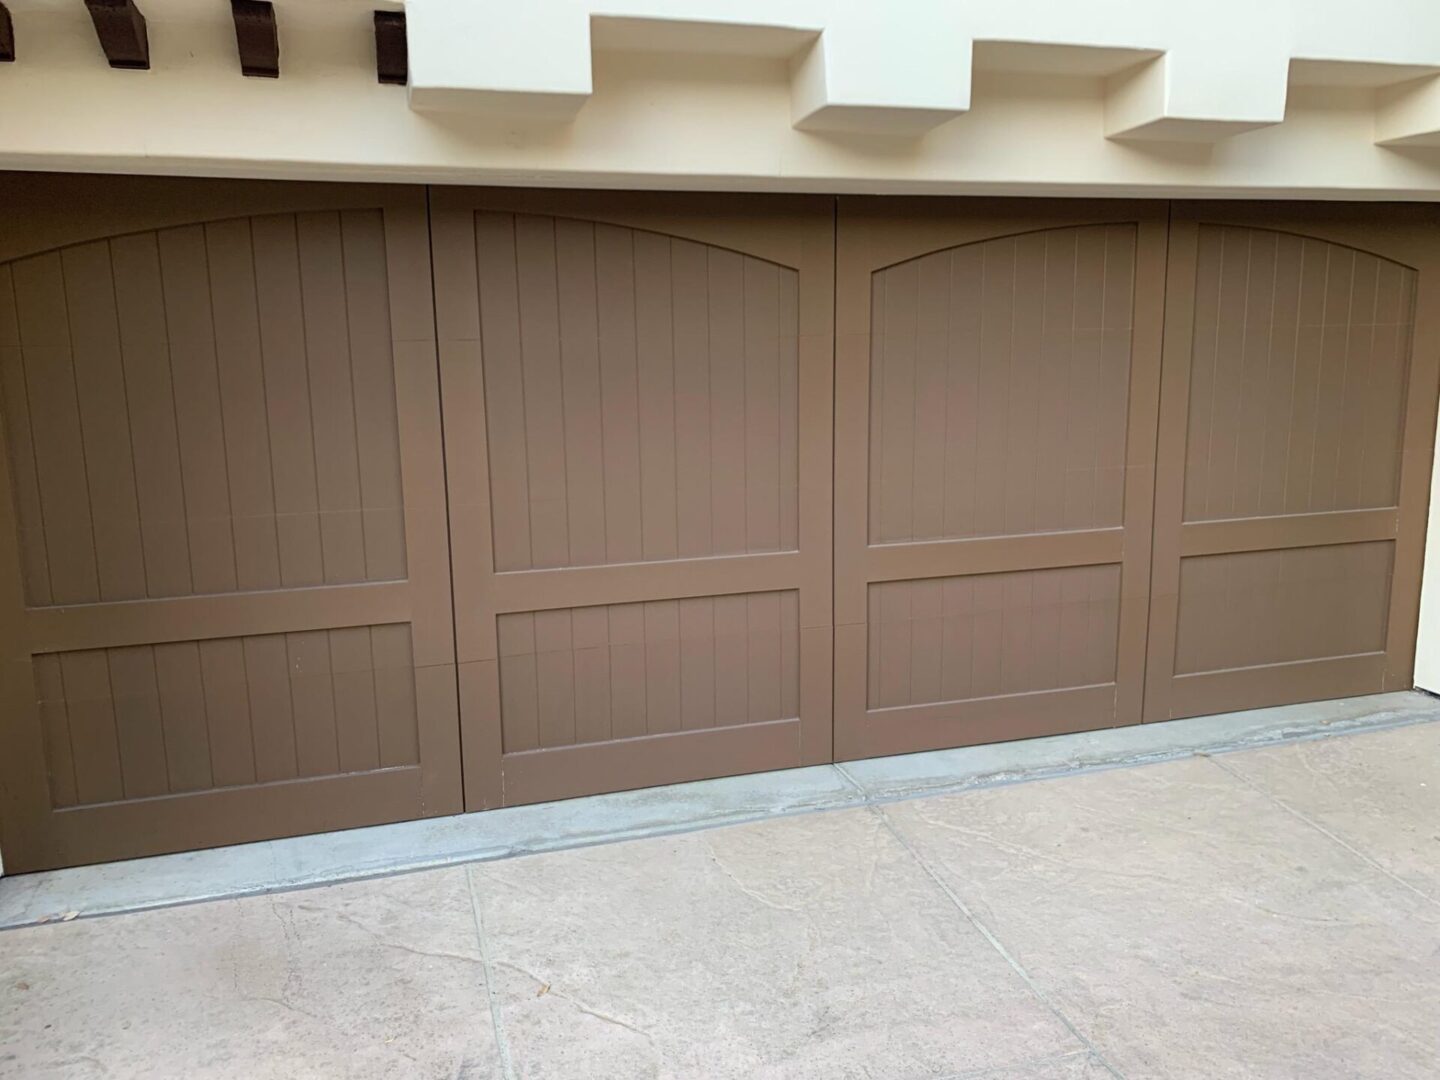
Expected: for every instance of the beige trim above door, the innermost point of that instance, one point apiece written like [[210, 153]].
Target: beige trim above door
[[637, 397], [997, 367]]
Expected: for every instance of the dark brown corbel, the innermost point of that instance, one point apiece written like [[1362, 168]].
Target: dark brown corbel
[[7, 36], [256, 38], [392, 58], [121, 30]]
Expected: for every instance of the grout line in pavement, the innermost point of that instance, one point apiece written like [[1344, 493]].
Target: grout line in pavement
[[994, 941], [1321, 829], [502, 1044], [839, 769]]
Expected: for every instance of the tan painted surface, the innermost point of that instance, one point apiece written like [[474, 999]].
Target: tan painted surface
[[637, 402], [996, 372], [1296, 437], [226, 621], [1085, 462]]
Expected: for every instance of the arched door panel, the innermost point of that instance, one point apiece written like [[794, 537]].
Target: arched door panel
[[1296, 437], [997, 370], [637, 410], [226, 599]]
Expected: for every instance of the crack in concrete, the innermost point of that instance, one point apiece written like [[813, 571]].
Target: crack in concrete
[[755, 895], [995, 942], [548, 985], [1322, 830], [383, 941]]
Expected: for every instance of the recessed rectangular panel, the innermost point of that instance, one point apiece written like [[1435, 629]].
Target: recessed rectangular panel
[[1272, 607], [1297, 377], [987, 635], [205, 409], [640, 394], [999, 386], [184, 717], [594, 674]]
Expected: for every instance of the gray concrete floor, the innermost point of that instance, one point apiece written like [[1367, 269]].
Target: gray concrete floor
[[1268, 912]]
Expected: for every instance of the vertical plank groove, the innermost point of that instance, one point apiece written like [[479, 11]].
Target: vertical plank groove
[[54, 410], [240, 373], [145, 351], [326, 345], [199, 420], [28, 506], [104, 421]]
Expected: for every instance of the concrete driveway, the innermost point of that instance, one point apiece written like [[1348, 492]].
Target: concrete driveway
[[1266, 913]]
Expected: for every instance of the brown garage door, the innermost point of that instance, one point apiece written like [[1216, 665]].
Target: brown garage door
[[226, 605], [228, 616], [638, 426], [997, 368], [1296, 440]]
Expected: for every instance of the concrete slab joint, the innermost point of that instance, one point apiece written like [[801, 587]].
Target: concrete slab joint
[[1173, 72]]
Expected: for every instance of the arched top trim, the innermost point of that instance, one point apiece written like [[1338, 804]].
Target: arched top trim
[[158, 229], [1307, 236], [1075, 227], [581, 220]]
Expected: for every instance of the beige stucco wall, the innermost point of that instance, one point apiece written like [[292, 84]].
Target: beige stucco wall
[[1280, 97], [1427, 646]]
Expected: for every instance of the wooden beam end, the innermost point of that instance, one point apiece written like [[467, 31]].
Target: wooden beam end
[[123, 36], [392, 56], [7, 37], [257, 38]]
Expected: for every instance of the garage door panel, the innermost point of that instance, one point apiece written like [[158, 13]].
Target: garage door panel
[[187, 744], [155, 720], [648, 761], [1278, 684], [1271, 607], [937, 725], [999, 382], [587, 675], [1297, 378], [638, 428], [640, 395], [953, 639], [229, 506], [997, 395], [235, 815], [192, 435], [1295, 438]]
